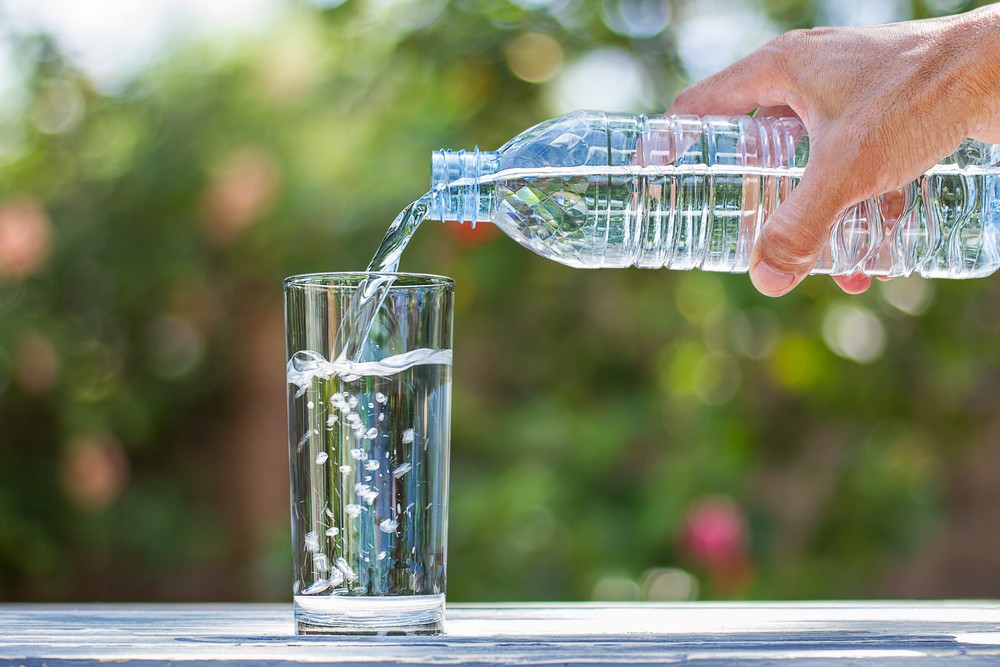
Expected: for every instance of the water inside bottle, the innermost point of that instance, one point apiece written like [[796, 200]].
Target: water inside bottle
[[709, 216]]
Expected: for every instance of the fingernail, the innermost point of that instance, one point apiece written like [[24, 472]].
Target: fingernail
[[770, 282]]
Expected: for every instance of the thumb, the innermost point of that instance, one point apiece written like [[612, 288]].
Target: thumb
[[794, 235]]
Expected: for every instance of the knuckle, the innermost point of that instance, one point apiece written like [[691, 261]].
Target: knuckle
[[787, 42], [787, 51], [781, 52], [791, 43], [793, 254], [801, 38], [794, 244]]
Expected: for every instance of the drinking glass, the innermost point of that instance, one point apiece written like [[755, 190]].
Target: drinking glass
[[368, 436]]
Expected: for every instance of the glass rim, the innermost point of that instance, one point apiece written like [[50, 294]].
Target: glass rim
[[351, 279]]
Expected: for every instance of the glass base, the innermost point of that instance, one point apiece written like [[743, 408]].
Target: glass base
[[375, 615]]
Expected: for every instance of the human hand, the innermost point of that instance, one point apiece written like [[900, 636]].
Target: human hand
[[881, 104]]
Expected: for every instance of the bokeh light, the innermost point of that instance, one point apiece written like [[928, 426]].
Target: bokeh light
[[911, 295], [669, 584], [716, 33], [115, 40], [854, 332], [609, 79], [615, 589], [59, 107], [534, 57], [637, 19], [863, 12]]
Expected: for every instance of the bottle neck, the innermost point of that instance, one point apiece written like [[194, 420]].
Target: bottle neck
[[457, 191]]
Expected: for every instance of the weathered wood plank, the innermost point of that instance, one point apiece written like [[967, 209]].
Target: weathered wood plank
[[703, 634]]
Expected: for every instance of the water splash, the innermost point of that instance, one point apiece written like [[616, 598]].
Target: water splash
[[308, 365], [371, 293]]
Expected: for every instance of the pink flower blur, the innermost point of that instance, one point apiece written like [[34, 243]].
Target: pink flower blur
[[25, 238], [243, 190], [36, 363], [94, 471], [715, 534]]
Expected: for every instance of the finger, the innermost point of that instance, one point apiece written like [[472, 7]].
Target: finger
[[757, 80], [853, 284], [892, 205], [990, 135], [794, 235]]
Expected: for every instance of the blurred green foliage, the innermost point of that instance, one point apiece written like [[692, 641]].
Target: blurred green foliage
[[616, 433]]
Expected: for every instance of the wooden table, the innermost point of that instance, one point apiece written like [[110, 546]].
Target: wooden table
[[702, 634]]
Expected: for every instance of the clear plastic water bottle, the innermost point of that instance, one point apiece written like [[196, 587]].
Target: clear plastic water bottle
[[601, 190]]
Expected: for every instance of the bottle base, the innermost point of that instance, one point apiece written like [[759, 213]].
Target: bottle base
[[372, 615]]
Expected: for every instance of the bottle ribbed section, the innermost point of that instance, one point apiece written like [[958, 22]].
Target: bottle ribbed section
[[709, 183], [456, 185]]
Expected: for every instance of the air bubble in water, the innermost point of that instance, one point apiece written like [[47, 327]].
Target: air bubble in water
[[327, 511], [381, 416], [332, 531], [371, 465], [345, 469], [353, 510], [371, 433], [331, 420], [381, 555], [370, 496], [387, 526], [317, 587], [321, 564], [401, 470], [345, 568], [352, 401], [353, 418], [336, 578], [371, 405], [303, 440], [311, 540], [381, 398], [408, 436], [321, 458], [357, 454]]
